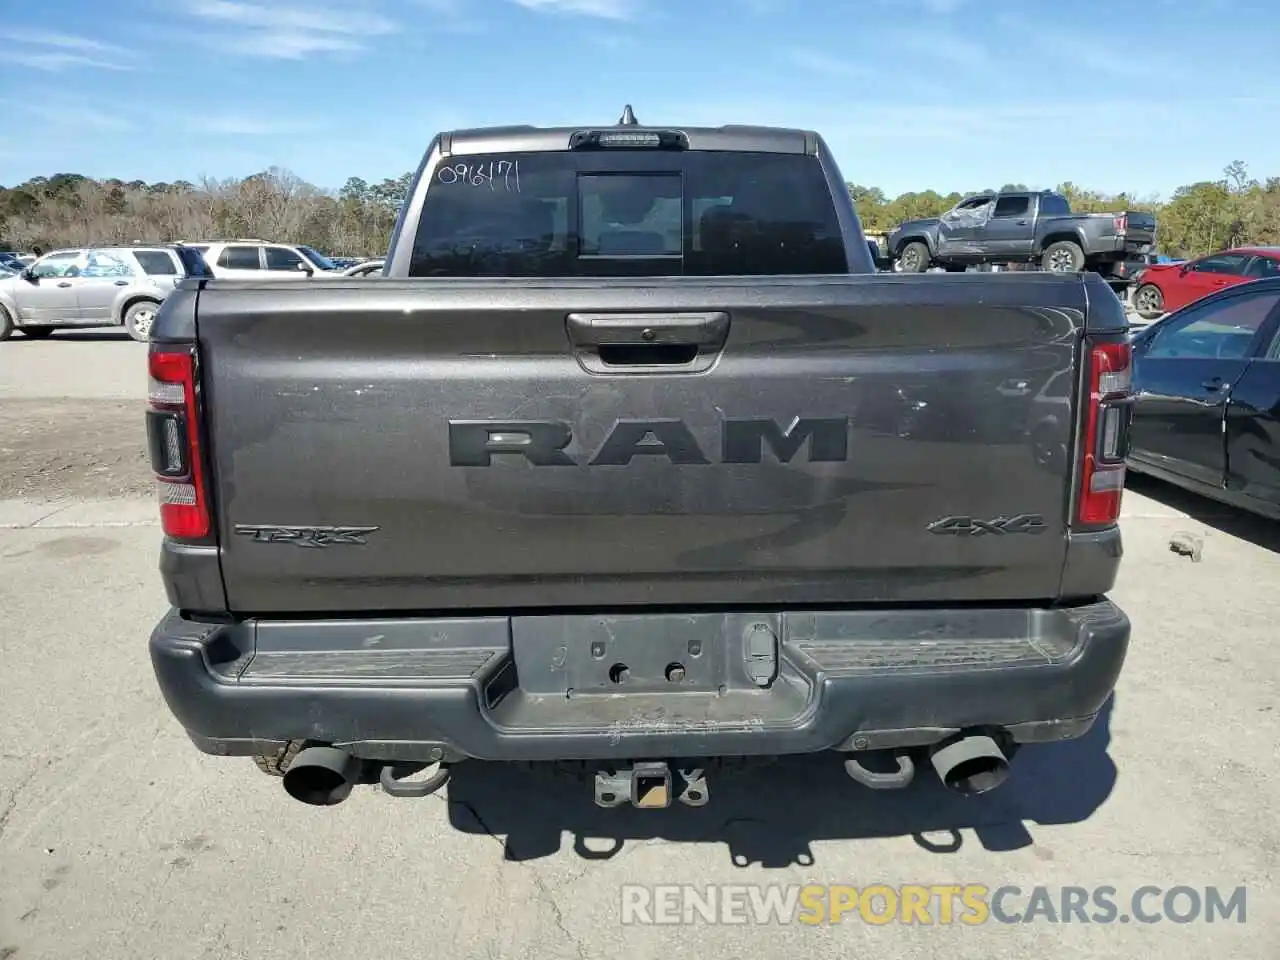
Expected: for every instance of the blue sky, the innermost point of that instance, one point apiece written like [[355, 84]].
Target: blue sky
[[911, 94]]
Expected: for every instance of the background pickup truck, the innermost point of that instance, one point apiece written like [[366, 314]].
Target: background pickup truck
[[630, 458], [1022, 228]]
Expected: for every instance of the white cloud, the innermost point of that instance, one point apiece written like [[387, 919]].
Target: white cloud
[[289, 32], [604, 9], [54, 52], [54, 62], [62, 41], [275, 17], [294, 45]]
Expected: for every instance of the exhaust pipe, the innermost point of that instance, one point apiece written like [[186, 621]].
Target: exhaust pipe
[[322, 776], [971, 765]]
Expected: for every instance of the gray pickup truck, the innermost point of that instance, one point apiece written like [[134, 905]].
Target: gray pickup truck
[[629, 458], [1022, 227]]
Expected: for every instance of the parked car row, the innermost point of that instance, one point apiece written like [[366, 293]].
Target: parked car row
[[365, 268], [261, 260], [346, 263], [98, 286], [125, 285], [14, 262]]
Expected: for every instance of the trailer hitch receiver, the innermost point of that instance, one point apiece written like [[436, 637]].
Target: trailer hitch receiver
[[649, 785]]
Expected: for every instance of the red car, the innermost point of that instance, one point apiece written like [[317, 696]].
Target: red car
[[1165, 287]]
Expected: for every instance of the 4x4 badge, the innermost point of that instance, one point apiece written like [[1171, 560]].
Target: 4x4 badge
[[305, 536], [1000, 526]]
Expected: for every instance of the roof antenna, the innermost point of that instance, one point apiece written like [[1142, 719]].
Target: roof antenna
[[628, 119]]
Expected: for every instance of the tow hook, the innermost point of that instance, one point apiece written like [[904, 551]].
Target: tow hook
[[395, 779], [649, 785], [882, 780]]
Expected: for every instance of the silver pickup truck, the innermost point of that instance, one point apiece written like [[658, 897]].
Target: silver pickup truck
[[631, 459]]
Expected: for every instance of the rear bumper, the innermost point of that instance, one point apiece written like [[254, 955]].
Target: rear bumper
[[540, 687], [1117, 248], [1126, 270]]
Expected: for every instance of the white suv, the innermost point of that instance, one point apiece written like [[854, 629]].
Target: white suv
[[91, 287], [260, 260]]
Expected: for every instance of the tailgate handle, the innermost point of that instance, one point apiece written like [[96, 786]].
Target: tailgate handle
[[630, 343]]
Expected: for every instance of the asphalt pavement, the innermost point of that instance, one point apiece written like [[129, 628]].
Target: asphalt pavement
[[119, 839]]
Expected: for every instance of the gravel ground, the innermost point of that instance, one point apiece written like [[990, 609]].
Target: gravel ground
[[57, 449], [71, 417]]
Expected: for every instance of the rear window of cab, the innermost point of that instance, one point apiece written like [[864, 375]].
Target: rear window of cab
[[628, 213]]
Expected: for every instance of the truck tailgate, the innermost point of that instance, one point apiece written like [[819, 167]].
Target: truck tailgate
[[1140, 227], [516, 444]]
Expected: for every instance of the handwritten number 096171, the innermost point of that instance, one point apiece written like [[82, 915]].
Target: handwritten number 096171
[[496, 175]]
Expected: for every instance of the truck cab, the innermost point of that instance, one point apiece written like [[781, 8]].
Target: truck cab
[[999, 225]]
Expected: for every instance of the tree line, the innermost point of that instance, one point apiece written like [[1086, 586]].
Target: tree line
[[70, 210]]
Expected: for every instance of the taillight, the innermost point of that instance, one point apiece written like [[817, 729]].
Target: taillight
[[173, 438], [1122, 223], [1106, 433]]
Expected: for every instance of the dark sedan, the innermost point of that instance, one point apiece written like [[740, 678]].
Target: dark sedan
[[1207, 388]]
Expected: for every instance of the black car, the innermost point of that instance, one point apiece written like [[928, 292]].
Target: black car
[[1207, 389]]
